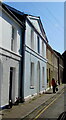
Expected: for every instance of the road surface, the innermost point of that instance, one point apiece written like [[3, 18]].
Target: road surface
[[51, 109]]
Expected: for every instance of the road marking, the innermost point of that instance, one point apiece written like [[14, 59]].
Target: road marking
[[48, 106]]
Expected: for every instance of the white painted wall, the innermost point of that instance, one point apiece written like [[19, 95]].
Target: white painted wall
[[35, 23], [33, 56], [7, 63], [7, 24], [9, 58]]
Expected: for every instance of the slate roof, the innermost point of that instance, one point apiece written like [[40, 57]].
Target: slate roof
[[9, 10]]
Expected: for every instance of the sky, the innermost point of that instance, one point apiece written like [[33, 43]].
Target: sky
[[52, 17]]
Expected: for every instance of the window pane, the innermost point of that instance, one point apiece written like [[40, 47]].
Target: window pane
[[42, 48], [42, 76], [32, 75], [12, 39], [38, 44], [32, 39]]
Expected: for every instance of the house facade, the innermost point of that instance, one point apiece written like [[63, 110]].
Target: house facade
[[52, 65], [25, 57], [55, 64], [27, 61], [10, 39], [60, 67], [35, 80]]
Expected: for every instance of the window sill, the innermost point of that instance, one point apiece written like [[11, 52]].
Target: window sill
[[31, 87]]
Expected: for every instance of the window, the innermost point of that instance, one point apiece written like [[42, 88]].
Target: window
[[32, 39], [38, 44], [42, 48], [32, 74], [12, 39], [42, 76], [47, 76]]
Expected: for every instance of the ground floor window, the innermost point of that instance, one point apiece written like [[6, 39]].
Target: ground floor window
[[47, 77], [32, 74], [42, 76]]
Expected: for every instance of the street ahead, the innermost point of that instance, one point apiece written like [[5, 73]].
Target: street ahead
[[54, 109], [51, 109]]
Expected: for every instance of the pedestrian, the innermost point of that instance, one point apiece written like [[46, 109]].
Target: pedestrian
[[53, 85]]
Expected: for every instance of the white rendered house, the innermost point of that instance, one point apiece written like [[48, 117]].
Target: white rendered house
[[10, 39], [33, 78]]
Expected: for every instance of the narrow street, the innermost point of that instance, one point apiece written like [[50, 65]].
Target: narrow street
[[54, 109], [51, 109]]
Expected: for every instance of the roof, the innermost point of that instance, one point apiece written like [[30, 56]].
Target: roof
[[21, 16], [40, 25], [58, 54], [64, 54], [8, 9]]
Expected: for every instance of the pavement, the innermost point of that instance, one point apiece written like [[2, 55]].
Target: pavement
[[24, 109]]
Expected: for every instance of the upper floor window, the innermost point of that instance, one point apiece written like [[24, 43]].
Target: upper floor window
[[14, 39], [42, 48], [38, 44], [32, 39]]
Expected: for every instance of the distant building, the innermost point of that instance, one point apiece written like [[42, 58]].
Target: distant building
[[52, 65], [60, 67]]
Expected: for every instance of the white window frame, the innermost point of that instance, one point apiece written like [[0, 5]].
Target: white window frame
[[12, 39], [32, 75], [32, 39], [42, 48], [43, 74], [38, 44]]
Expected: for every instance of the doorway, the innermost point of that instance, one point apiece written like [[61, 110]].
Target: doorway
[[10, 83]]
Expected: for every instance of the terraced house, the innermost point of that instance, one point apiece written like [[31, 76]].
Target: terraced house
[[27, 61], [52, 65], [60, 67], [10, 38], [23, 64], [33, 65], [35, 80]]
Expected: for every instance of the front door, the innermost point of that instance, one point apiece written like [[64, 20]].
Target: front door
[[10, 83]]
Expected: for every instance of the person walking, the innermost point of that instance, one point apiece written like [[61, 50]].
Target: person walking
[[53, 85]]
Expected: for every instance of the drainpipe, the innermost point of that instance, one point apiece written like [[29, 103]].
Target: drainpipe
[[22, 65]]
